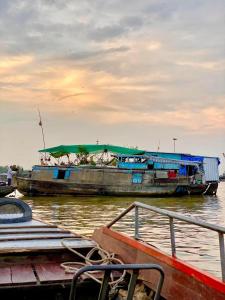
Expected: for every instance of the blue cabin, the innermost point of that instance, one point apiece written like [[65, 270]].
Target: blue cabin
[[207, 165], [162, 165], [139, 162]]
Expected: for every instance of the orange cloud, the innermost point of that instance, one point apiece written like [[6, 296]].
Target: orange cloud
[[205, 120], [8, 63], [62, 88]]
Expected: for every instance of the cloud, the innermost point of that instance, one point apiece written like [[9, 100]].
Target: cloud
[[132, 22], [208, 65], [205, 121], [13, 62], [139, 61], [93, 53]]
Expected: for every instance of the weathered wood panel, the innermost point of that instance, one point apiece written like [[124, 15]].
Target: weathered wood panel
[[51, 272], [36, 245], [34, 236], [33, 230], [23, 274], [32, 223], [5, 276]]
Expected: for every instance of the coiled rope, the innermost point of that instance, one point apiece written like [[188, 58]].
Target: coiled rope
[[106, 258]]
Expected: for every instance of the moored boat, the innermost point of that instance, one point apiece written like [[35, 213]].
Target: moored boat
[[5, 190], [128, 172], [34, 255], [222, 177]]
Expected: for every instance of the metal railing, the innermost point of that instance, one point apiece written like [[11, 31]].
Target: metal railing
[[172, 215], [107, 269]]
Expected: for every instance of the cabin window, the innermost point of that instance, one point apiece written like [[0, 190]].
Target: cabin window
[[150, 166], [137, 178], [61, 174]]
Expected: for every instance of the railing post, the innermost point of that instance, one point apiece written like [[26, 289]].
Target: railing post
[[172, 237], [222, 254], [136, 223]]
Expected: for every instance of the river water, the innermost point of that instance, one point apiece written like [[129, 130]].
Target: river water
[[197, 246]]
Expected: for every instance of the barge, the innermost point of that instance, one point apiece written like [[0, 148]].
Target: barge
[[43, 261], [128, 172]]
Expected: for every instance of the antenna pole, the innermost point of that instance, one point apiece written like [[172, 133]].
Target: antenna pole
[[158, 148], [174, 144], [42, 129]]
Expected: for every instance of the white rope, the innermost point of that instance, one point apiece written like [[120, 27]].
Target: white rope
[[106, 259], [206, 190]]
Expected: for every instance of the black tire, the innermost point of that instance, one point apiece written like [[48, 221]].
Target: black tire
[[24, 208]]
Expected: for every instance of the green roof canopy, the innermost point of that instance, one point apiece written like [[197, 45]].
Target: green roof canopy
[[67, 149]]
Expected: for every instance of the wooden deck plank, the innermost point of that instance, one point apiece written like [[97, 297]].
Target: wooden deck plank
[[23, 274], [25, 226], [5, 276], [42, 244], [35, 236], [32, 223], [52, 272], [33, 230]]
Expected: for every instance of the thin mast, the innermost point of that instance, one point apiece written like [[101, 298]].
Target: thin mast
[[42, 129], [158, 148]]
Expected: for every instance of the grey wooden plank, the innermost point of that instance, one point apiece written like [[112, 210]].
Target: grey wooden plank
[[26, 224], [32, 223], [47, 244], [32, 229], [29, 236]]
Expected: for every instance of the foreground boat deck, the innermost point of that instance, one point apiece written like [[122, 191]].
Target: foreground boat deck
[[31, 253]]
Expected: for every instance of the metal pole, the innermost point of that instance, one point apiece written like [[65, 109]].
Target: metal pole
[[136, 220], [222, 254], [172, 237], [174, 144], [121, 215]]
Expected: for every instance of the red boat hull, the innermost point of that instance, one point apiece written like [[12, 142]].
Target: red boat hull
[[182, 281]]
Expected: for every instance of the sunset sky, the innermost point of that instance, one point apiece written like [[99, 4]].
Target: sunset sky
[[129, 73]]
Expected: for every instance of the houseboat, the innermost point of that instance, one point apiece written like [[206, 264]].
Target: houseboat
[[42, 261], [114, 170]]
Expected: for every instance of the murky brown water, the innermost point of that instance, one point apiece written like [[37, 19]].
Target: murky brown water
[[195, 245]]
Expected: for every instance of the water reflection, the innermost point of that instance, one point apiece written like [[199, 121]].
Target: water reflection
[[195, 245]]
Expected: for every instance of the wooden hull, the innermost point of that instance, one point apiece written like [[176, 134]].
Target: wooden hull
[[38, 187], [35, 187], [182, 281], [106, 181]]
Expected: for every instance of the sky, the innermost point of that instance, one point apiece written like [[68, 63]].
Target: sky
[[129, 73]]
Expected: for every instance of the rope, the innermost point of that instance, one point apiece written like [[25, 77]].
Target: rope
[[206, 190], [106, 259]]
